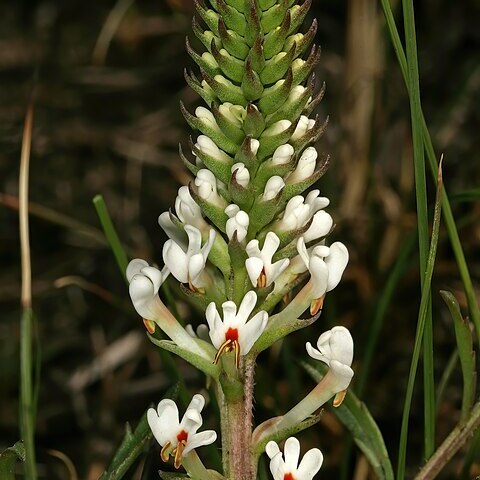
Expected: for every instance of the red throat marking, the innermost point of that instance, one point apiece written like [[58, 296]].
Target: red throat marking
[[231, 334], [288, 476], [182, 436]]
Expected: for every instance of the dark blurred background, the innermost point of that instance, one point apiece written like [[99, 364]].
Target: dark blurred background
[[107, 80]]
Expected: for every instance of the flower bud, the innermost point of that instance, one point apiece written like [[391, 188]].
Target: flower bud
[[282, 154], [207, 187], [305, 167], [277, 128], [234, 113], [207, 146], [206, 116], [242, 175], [273, 187], [238, 222]]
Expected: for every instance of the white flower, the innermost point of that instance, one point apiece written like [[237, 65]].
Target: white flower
[[188, 266], [273, 187], [335, 348], [259, 265], [179, 438], [314, 261], [282, 154], [300, 210], [305, 167], [235, 332], [207, 146], [144, 283], [187, 212], [242, 175], [289, 469], [238, 222], [207, 187], [187, 209]]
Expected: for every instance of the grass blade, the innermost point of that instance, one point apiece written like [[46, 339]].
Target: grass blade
[[432, 162], [464, 338], [111, 234], [422, 220], [422, 316], [27, 396]]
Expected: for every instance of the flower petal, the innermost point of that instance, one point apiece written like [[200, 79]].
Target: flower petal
[[176, 261], [215, 325], [310, 464], [134, 268], [336, 262], [254, 266], [291, 452], [271, 449], [251, 331], [246, 307], [199, 439], [314, 353]]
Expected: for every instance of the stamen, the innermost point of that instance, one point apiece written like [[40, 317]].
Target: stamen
[[339, 397], [149, 325], [225, 347], [231, 343], [262, 279], [178, 453], [164, 453]]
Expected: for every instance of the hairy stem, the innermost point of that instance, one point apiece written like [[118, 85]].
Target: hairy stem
[[237, 430]]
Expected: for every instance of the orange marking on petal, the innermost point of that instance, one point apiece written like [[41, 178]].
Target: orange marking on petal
[[232, 335], [339, 397], [149, 325], [316, 305], [288, 476], [182, 436]]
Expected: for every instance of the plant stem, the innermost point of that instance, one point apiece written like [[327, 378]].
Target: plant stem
[[450, 446], [237, 430]]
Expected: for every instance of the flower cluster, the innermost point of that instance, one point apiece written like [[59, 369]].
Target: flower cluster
[[247, 241]]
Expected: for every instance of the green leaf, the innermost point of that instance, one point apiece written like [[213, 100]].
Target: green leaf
[[464, 337], [274, 40], [356, 417], [130, 449], [275, 96], [277, 66], [252, 86], [111, 234], [231, 66], [202, 363], [8, 458], [233, 43]]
